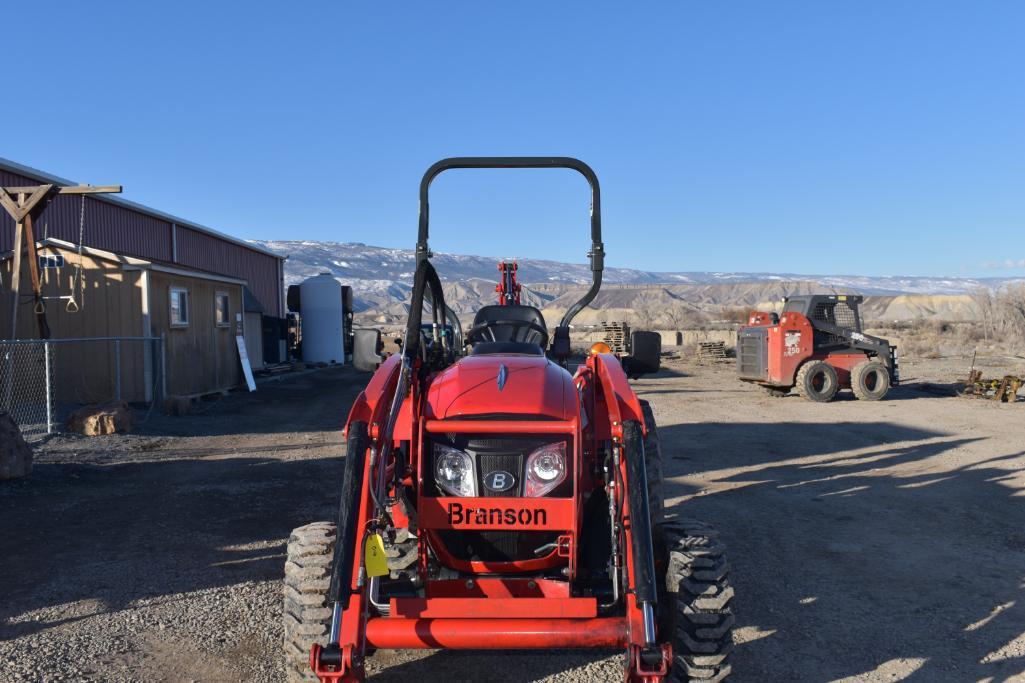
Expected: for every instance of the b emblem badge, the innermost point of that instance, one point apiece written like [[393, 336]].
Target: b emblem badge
[[499, 481]]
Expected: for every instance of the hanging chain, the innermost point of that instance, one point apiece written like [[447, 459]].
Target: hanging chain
[[81, 225], [73, 306]]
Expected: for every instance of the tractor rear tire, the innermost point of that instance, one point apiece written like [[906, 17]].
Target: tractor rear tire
[[817, 381], [870, 381], [307, 615], [699, 602], [653, 466]]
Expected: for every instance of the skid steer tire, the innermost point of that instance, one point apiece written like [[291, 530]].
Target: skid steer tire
[[870, 381], [699, 602], [817, 381], [653, 466], [306, 614]]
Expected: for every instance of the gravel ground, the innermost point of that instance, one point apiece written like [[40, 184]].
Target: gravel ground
[[870, 541]]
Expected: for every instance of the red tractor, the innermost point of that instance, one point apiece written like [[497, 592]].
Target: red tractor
[[493, 500], [816, 346]]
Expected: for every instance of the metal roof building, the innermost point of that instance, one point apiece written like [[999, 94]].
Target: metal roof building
[[123, 227]]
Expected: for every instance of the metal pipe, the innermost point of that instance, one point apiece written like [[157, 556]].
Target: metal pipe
[[117, 369], [49, 388], [596, 255], [374, 591], [496, 634], [649, 623], [163, 366], [65, 340], [336, 622], [500, 427]]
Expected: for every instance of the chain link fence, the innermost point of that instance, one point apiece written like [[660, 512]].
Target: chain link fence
[[43, 381], [26, 385]]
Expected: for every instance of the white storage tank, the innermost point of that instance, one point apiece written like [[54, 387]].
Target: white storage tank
[[322, 319]]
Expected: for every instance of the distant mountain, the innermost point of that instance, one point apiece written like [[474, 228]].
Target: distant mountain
[[381, 279]]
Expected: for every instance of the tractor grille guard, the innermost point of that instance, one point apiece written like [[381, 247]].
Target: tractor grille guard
[[501, 453]]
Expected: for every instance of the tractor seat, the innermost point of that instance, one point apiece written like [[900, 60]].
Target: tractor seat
[[508, 338]]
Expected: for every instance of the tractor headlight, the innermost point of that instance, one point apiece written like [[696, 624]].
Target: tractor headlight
[[453, 471], [546, 469]]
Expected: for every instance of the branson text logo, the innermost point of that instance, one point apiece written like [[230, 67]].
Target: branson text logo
[[457, 514]]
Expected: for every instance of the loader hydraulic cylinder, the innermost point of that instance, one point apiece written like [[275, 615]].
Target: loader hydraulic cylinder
[[645, 589], [348, 511]]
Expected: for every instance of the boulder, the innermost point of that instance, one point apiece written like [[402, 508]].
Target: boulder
[[15, 454], [105, 418]]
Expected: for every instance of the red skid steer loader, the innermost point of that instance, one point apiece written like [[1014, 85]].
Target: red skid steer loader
[[816, 346], [492, 500]]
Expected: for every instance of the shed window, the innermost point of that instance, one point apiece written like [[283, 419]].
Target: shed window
[[221, 315], [179, 307]]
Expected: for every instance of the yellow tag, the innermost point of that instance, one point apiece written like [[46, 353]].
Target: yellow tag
[[373, 556]]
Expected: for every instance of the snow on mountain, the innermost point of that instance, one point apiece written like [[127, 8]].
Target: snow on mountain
[[381, 277]]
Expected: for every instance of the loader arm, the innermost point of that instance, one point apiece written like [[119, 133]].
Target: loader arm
[[864, 342]]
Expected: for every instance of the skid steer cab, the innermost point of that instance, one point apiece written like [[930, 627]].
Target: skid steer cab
[[492, 499], [816, 346]]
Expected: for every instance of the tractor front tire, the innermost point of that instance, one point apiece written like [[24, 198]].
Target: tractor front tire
[[653, 466], [307, 615], [817, 381], [870, 381], [699, 601]]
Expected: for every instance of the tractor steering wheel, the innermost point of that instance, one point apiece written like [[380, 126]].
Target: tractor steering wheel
[[475, 332]]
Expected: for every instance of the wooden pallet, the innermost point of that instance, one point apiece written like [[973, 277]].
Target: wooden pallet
[[617, 336], [712, 351]]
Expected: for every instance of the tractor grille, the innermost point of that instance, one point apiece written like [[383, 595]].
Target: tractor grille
[[496, 546], [505, 462], [506, 454], [752, 349]]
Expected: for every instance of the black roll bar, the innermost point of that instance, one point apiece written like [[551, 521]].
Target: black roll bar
[[597, 253]]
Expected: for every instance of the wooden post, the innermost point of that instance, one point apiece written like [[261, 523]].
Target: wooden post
[[16, 280], [33, 200], [33, 269]]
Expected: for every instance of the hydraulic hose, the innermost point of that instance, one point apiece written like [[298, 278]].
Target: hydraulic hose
[[425, 277]]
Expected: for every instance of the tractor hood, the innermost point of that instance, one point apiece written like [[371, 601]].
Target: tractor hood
[[502, 385]]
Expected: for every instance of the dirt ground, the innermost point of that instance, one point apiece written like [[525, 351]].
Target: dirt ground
[[869, 541]]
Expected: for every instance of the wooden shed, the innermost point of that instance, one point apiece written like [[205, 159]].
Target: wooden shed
[[91, 293]]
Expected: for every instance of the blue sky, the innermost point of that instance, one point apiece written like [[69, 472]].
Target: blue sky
[[875, 138]]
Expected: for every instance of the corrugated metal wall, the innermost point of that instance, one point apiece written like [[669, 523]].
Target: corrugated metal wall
[[206, 252], [123, 230]]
